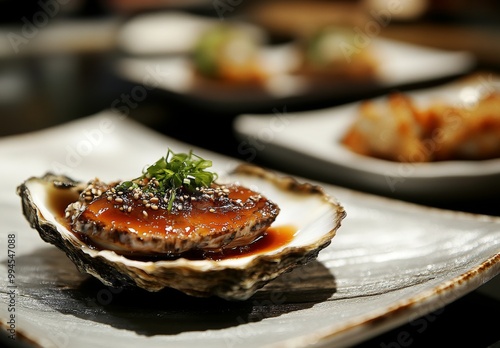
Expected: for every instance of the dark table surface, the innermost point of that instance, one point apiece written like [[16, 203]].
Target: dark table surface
[[49, 86]]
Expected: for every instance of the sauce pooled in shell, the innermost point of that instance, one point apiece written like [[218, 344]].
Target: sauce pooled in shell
[[139, 218]]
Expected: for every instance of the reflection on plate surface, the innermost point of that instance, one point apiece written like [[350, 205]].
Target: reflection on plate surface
[[389, 261], [310, 142]]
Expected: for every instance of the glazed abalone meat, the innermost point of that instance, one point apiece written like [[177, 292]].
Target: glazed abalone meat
[[139, 221], [177, 226]]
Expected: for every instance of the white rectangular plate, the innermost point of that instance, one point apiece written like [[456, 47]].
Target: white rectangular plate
[[389, 263]]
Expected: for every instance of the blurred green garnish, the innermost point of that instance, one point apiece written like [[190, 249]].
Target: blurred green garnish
[[222, 47]]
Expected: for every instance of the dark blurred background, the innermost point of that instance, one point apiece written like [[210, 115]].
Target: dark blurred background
[[58, 63], [57, 57]]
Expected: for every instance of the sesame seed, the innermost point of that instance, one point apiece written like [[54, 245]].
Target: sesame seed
[[145, 213], [154, 200], [119, 200], [154, 206], [212, 210], [129, 209]]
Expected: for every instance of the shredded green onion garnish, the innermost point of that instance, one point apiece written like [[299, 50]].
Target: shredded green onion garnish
[[171, 172]]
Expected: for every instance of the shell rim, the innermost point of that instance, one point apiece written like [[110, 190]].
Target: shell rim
[[281, 182], [266, 265]]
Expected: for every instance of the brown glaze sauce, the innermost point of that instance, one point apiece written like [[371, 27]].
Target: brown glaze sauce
[[273, 238], [205, 215]]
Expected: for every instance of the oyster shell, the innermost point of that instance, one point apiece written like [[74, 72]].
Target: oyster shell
[[314, 215]]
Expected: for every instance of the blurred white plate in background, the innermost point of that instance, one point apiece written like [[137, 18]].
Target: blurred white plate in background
[[162, 42], [170, 32], [309, 142]]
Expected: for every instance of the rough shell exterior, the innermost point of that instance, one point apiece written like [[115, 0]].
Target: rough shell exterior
[[229, 279]]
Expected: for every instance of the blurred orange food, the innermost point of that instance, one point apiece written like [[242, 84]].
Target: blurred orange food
[[228, 53], [397, 130]]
